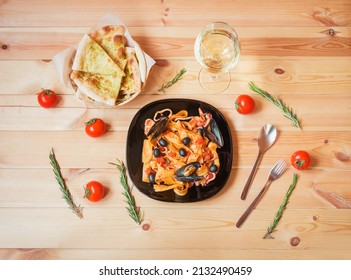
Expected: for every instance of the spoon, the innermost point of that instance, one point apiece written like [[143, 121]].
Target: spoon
[[266, 139]]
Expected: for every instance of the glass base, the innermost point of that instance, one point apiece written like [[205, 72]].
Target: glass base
[[214, 82]]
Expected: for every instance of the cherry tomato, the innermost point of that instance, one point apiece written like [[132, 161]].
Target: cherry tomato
[[95, 127], [244, 104], [47, 98], [94, 191], [300, 160], [161, 160]]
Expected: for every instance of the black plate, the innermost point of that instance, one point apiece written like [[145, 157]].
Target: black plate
[[135, 143]]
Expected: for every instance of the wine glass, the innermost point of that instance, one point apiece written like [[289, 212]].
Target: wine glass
[[217, 49]]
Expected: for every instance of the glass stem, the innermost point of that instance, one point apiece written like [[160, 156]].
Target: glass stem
[[214, 77]]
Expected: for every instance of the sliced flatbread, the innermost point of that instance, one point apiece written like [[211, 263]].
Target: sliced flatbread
[[92, 58], [101, 88], [111, 39], [131, 82], [140, 55]]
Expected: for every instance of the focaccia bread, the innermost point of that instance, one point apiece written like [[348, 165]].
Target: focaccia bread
[[131, 82], [104, 70], [90, 57], [101, 88], [111, 39]]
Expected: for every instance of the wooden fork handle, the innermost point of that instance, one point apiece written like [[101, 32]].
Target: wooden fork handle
[[253, 204]]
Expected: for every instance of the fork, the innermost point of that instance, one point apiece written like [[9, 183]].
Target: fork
[[273, 175]]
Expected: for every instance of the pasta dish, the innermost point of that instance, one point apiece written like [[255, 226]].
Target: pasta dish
[[180, 151]]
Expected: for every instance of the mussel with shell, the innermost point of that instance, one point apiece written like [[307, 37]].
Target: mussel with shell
[[210, 128], [160, 121], [213, 133], [187, 173]]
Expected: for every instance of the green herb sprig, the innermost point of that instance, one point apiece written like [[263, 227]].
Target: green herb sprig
[[281, 209], [288, 112], [66, 195], [173, 81], [133, 210]]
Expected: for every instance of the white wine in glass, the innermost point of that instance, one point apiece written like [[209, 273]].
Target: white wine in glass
[[217, 49]]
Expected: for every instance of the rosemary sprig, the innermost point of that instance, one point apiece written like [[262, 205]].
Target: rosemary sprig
[[281, 209], [173, 81], [133, 210], [288, 112], [66, 195]]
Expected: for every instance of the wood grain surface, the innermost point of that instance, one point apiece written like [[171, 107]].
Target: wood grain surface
[[299, 51]]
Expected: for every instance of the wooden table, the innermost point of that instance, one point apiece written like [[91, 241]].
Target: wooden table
[[299, 51]]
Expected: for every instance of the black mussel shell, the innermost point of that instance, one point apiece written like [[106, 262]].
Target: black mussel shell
[[187, 172], [158, 127]]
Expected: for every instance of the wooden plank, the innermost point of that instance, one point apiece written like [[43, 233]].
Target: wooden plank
[[335, 108], [45, 192], [200, 228], [177, 13], [300, 76], [77, 150], [164, 42], [174, 254], [72, 34]]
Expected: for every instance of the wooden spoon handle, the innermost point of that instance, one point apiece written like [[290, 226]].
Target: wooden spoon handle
[[251, 176]]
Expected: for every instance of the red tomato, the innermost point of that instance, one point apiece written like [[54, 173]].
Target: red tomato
[[300, 160], [149, 170], [172, 154], [200, 141], [95, 127], [162, 161], [94, 191], [207, 155], [47, 98], [244, 104]]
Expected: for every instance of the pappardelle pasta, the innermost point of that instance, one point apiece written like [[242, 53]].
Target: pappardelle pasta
[[180, 151]]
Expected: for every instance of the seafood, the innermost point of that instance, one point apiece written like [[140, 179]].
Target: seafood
[[213, 133], [158, 127], [187, 172], [180, 151], [158, 124], [204, 122]]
